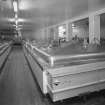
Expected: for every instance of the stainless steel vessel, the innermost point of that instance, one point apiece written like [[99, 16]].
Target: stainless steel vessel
[[71, 70], [71, 55]]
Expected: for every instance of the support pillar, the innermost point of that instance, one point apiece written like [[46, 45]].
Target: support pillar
[[47, 34], [69, 31], [94, 29], [49, 37], [56, 33]]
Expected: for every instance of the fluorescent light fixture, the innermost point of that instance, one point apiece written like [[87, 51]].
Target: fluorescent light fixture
[[19, 20], [15, 6], [18, 25], [19, 28], [16, 16], [16, 21], [73, 25]]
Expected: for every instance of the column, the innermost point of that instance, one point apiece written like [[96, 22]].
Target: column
[[69, 31], [51, 32], [42, 33], [56, 33], [94, 29], [48, 35]]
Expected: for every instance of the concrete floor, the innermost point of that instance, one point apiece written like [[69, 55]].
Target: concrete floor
[[19, 87]]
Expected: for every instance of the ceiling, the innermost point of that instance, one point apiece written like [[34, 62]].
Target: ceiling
[[36, 14]]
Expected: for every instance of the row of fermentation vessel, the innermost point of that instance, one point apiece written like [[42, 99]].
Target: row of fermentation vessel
[[5, 48], [64, 72]]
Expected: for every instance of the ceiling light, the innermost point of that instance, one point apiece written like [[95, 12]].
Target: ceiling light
[[15, 6], [16, 16], [18, 25], [73, 26], [19, 28], [19, 20], [16, 21]]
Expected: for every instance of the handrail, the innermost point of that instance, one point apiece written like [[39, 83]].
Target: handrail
[[4, 47]]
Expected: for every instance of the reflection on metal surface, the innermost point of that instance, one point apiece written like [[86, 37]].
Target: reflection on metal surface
[[71, 54]]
